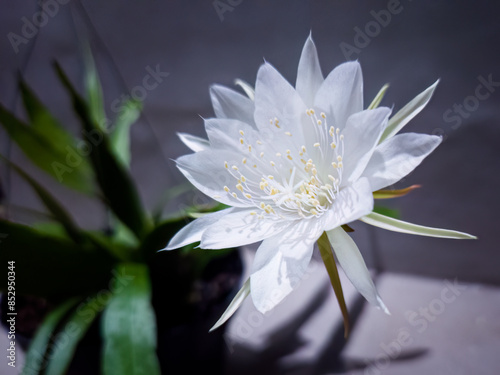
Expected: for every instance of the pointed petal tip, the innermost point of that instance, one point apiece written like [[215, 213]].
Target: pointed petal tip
[[381, 305]]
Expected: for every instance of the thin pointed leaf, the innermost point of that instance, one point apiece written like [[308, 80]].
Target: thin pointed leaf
[[120, 137], [249, 90], [378, 98], [388, 194], [46, 125], [93, 90], [37, 351], [48, 128], [129, 326], [60, 161], [73, 330], [53, 206], [113, 179], [408, 112], [325, 250], [234, 305], [396, 225]]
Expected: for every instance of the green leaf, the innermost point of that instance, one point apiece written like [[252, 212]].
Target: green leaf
[[113, 179], [53, 206], [60, 160], [36, 356], [93, 89], [378, 98], [69, 335], [325, 250], [120, 137], [129, 326], [50, 267], [234, 305], [396, 225], [408, 112]]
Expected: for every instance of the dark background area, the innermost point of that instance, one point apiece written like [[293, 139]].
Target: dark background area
[[456, 41]]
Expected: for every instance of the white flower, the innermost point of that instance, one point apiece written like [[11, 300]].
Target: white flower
[[294, 163]]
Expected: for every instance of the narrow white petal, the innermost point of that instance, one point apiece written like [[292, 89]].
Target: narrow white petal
[[228, 103], [206, 171], [309, 76], [396, 225], [352, 203], [280, 263], [249, 90], [341, 94], [409, 111], [234, 305], [354, 266], [398, 156], [193, 231], [361, 135], [193, 142], [241, 228]]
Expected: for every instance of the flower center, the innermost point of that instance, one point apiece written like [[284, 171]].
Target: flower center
[[297, 182]]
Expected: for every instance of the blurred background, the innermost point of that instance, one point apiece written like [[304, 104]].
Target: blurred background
[[186, 46]]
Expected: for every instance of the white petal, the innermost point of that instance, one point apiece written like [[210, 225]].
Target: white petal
[[205, 170], [354, 266], [409, 111], [193, 142], [280, 263], [341, 94], [228, 103], [241, 228], [361, 135], [234, 305], [352, 203], [193, 231], [398, 156], [225, 134], [276, 98], [309, 76], [396, 225], [249, 90]]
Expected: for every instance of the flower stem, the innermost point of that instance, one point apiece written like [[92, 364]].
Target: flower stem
[[327, 255]]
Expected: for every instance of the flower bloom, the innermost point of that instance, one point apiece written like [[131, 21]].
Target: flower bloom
[[294, 163]]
